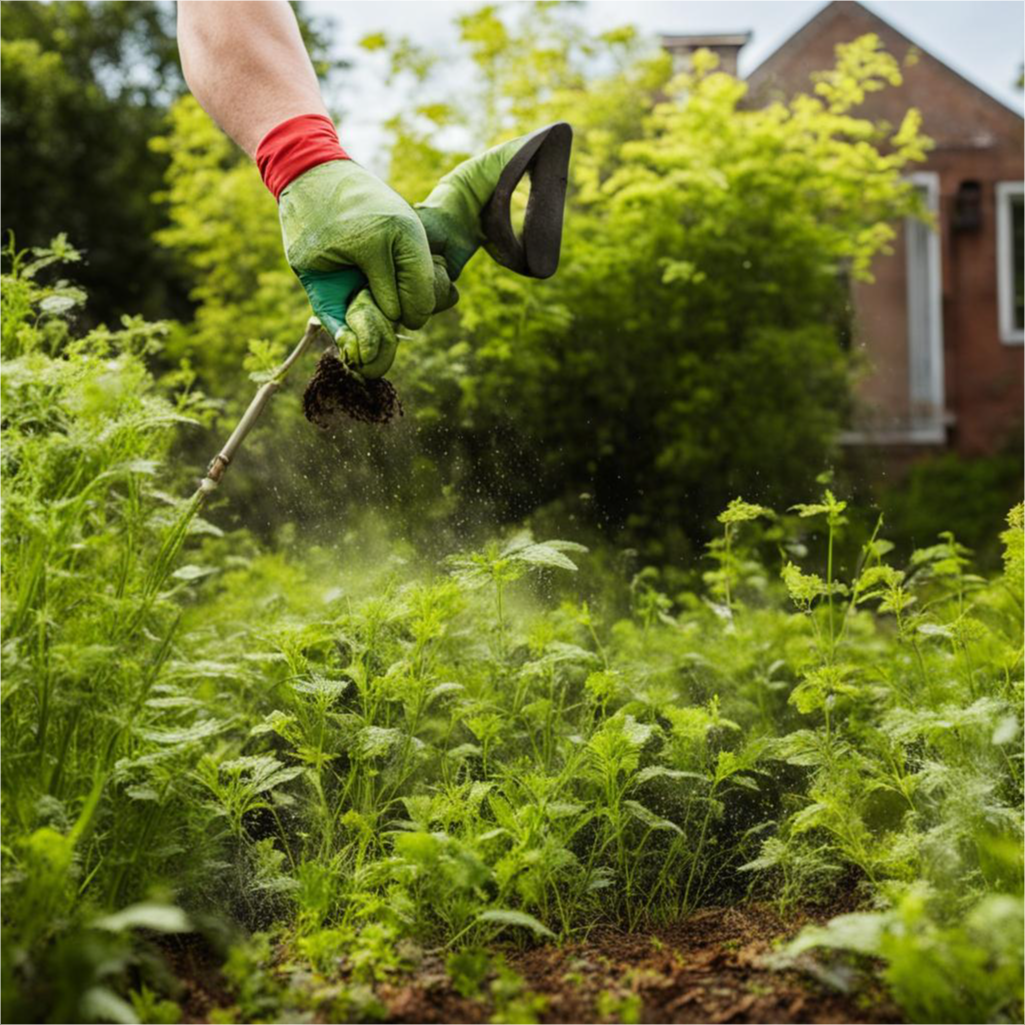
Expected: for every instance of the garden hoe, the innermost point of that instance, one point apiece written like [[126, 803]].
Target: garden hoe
[[470, 207]]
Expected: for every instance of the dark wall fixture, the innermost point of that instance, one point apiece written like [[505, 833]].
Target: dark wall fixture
[[968, 207]]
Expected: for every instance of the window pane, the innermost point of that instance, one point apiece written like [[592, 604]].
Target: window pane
[[925, 374], [1017, 261]]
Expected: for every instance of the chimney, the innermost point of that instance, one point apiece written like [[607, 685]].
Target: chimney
[[725, 44]]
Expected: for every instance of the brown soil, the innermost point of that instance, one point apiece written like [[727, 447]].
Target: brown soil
[[335, 391], [715, 966], [712, 967]]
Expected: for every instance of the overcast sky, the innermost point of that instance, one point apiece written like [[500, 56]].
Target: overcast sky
[[982, 39]]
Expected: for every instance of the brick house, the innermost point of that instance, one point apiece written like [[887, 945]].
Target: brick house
[[941, 327]]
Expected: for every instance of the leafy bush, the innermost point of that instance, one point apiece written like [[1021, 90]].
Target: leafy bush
[[961, 971], [86, 86], [85, 637], [692, 344], [951, 492]]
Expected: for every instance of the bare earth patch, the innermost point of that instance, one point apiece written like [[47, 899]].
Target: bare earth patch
[[711, 967], [714, 966]]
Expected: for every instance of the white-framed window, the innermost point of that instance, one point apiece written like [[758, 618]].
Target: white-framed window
[[925, 315], [1010, 259], [925, 420]]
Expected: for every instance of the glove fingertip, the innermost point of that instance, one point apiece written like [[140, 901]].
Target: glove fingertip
[[347, 342], [414, 320], [447, 301]]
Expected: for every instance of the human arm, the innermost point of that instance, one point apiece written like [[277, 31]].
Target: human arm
[[247, 65], [248, 68]]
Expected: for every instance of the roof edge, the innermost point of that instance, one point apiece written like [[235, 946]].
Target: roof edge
[[706, 39], [833, 7]]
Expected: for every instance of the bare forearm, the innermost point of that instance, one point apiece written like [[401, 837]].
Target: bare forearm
[[246, 64]]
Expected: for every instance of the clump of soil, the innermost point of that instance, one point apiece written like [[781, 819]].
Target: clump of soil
[[335, 391]]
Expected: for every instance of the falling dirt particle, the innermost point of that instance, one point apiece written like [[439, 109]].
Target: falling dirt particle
[[335, 391]]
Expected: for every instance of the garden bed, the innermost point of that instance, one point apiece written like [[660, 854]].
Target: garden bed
[[716, 965]]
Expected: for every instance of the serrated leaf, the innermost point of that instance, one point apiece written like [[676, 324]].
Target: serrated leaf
[[663, 772], [175, 701], [142, 793], [563, 809], [191, 572], [322, 686], [263, 772], [202, 526], [518, 918], [375, 741], [739, 511], [861, 931], [445, 688], [809, 818], [186, 735], [463, 751], [649, 818], [146, 467], [548, 555], [493, 834], [205, 668], [279, 777], [745, 781], [274, 722], [57, 305], [102, 1004]]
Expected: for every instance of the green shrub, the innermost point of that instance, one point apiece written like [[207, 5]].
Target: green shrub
[[691, 345], [965, 496]]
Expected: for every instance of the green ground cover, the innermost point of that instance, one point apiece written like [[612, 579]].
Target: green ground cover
[[323, 756]]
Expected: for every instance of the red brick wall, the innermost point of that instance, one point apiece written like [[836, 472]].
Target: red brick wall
[[984, 375]]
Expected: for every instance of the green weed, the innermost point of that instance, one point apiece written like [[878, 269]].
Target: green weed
[[356, 764]]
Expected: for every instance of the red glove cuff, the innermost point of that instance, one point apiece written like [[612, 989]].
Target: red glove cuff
[[295, 146]]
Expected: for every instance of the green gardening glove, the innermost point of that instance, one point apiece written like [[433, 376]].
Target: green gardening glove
[[342, 227], [451, 214], [451, 217], [469, 208]]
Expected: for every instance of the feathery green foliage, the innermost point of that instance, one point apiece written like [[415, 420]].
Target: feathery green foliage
[[345, 761]]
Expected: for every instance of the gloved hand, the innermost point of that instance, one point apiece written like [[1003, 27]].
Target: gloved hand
[[342, 227], [368, 339], [451, 216]]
